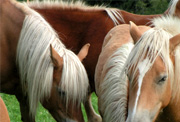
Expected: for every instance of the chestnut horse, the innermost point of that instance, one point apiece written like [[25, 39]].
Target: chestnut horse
[[36, 67], [153, 70], [4, 117], [116, 47], [78, 24]]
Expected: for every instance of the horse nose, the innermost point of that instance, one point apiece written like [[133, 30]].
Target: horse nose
[[138, 120], [139, 116]]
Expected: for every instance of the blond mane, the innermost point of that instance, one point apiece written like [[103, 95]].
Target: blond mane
[[113, 13], [35, 65], [114, 100]]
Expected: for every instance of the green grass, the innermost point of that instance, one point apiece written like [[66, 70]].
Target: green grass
[[42, 114]]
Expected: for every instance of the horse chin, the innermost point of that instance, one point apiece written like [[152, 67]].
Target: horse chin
[[144, 116], [140, 118]]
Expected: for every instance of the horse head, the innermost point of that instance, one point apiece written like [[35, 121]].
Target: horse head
[[150, 70], [57, 103]]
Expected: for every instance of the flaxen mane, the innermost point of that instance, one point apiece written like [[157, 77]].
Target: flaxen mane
[[35, 65], [111, 89], [113, 13]]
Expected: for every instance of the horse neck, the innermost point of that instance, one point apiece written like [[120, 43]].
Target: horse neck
[[11, 24], [75, 22], [138, 19], [73, 25]]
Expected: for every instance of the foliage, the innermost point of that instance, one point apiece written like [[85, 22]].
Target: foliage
[[42, 114], [14, 110], [135, 6]]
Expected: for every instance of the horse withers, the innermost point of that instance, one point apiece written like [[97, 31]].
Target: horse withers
[[153, 69], [36, 67]]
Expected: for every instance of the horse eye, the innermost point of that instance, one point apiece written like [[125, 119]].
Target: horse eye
[[61, 92], [163, 78]]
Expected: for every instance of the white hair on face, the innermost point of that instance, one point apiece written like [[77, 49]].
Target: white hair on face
[[35, 64], [153, 43], [113, 89], [143, 68]]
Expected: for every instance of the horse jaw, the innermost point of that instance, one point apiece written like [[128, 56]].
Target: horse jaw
[[144, 115]]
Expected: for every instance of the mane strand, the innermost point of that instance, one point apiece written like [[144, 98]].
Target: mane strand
[[113, 13], [114, 88]]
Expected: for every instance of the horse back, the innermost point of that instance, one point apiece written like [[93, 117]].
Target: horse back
[[78, 27]]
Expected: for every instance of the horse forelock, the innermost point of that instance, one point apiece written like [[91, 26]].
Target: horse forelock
[[36, 68], [74, 79], [153, 43], [114, 88], [168, 23]]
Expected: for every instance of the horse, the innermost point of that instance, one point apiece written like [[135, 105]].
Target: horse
[[77, 24], [116, 47], [152, 68], [36, 66], [4, 116]]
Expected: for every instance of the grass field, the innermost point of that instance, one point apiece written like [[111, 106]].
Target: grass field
[[42, 114]]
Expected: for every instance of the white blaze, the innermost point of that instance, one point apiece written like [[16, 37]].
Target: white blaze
[[143, 68]]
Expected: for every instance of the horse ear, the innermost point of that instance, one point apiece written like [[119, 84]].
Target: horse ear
[[174, 41], [83, 52], [56, 59], [135, 32]]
